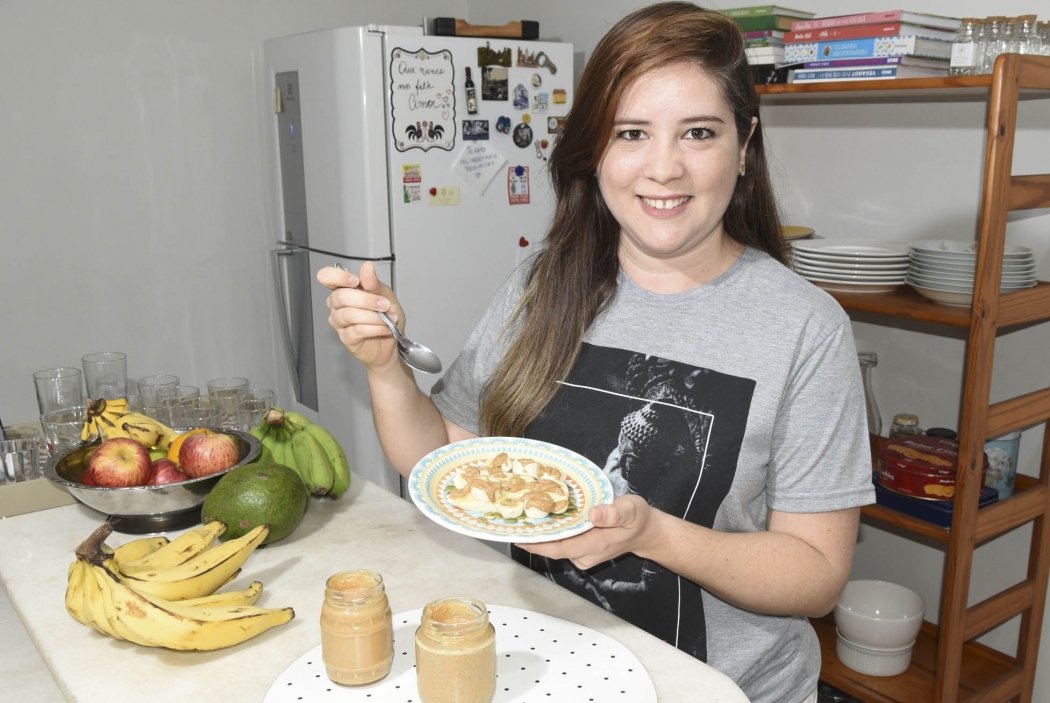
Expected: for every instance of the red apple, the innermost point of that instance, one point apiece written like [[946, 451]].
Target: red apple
[[163, 471], [117, 463], [207, 452]]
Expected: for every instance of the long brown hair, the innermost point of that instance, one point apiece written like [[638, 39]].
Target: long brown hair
[[575, 273]]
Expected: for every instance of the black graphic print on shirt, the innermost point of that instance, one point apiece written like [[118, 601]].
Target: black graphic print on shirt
[[668, 432]]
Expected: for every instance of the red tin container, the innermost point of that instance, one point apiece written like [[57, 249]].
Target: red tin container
[[921, 467]]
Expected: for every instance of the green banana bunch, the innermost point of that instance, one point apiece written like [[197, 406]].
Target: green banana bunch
[[101, 597], [290, 438]]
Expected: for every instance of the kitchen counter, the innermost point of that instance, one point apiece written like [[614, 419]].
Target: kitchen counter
[[366, 528]]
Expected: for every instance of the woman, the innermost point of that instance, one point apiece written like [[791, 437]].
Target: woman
[[659, 333]]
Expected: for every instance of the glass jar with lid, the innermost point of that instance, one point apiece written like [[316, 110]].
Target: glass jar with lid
[[357, 634], [456, 652], [905, 424]]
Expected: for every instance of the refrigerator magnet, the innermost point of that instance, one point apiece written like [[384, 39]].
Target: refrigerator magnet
[[526, 59], [518, 185], [495, 83], [475, 129], [412, 192], [444, 195], [537, 80], [487, 56], [503, 125], [554, 124], [559, 96], [522, 135], [521, 97], [411, 173], [540, 102], [422, 99]]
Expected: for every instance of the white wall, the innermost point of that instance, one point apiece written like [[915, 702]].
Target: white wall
[[132, 203]]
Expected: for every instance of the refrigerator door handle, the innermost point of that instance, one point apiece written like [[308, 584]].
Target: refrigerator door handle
[[284, 303]]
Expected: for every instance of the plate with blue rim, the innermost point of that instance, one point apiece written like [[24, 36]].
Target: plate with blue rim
[[431, 481]]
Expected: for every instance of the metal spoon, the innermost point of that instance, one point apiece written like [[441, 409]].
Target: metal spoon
[[412, 353]]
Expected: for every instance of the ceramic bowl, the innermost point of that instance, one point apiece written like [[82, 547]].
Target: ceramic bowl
[[873, 661], [879, 614], [140, 509]]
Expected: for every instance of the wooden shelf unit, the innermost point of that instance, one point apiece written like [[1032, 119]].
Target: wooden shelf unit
[[948, 664]]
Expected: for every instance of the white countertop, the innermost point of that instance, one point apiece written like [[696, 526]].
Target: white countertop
[[366, 528]]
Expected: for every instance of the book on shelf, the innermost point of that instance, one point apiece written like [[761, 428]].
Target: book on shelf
[[769, 73], [867, 47], [920, 18], [764, 22], [757, 10], [765, 54], [763, 43], [764, 34], [917, 61], [862, 73], [858, 31]]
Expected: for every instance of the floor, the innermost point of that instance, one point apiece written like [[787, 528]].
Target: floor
[[21, 668]]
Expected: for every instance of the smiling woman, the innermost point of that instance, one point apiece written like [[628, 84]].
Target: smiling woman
[[668, 175], [659, 334]]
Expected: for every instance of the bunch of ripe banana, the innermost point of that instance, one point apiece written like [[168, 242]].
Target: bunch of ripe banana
[[111, 418], [290, 438], [161, 593]]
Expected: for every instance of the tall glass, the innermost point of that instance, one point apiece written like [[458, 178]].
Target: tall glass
[[106, 374], [58, 388]]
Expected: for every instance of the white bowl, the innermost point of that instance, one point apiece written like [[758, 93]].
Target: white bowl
[[879, 614], [873, 661]]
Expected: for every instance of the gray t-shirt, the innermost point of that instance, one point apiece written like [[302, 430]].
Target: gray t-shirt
[[715, 405]]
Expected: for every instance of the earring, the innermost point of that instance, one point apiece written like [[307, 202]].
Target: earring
[[743, 169]]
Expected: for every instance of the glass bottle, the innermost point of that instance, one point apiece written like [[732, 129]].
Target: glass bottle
[[455, 652], [1010, 39], [1044, 38], [868, 361], [472, 94], [992, 43], [1031, 40], [963, 55], [357, 634], [905, 424]]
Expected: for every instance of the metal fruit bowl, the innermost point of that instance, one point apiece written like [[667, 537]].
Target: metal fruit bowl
[[141, 509]]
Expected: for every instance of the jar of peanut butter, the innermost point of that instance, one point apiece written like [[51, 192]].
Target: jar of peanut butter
[[357, 634], [456, 652]]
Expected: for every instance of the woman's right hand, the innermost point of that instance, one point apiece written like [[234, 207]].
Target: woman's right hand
[[352, 306]]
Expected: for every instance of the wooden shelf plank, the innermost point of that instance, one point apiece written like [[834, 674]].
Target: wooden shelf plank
[[982, 667]]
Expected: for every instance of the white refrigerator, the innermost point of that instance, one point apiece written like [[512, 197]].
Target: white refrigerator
[[382, 152]]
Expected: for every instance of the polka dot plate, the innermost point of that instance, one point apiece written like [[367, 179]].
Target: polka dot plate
[[539, 658], [430, 480]]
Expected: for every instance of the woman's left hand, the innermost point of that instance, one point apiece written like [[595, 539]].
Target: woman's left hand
[[619, 528]]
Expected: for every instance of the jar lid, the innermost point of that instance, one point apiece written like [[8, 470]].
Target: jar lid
[[945, 432], [906, 419]]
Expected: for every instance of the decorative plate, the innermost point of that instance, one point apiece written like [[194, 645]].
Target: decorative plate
[[432, 479], [790, 232]]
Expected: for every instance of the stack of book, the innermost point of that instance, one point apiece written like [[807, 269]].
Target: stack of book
[[870, 46], [764, 28]]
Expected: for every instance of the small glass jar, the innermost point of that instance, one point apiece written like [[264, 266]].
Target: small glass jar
[[905, 424], [357, 633], [456, 652]]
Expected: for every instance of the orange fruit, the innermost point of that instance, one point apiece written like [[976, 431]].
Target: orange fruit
[[173, 448]]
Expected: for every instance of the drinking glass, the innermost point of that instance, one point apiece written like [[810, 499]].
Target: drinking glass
[[62, 429], [252, 408], [228, 392], [153, 388], [106, 374], [58, 388], [203, 413], [19, 454]]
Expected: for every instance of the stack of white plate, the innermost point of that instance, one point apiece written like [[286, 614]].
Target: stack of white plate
[[943, 269], [851, 265]]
